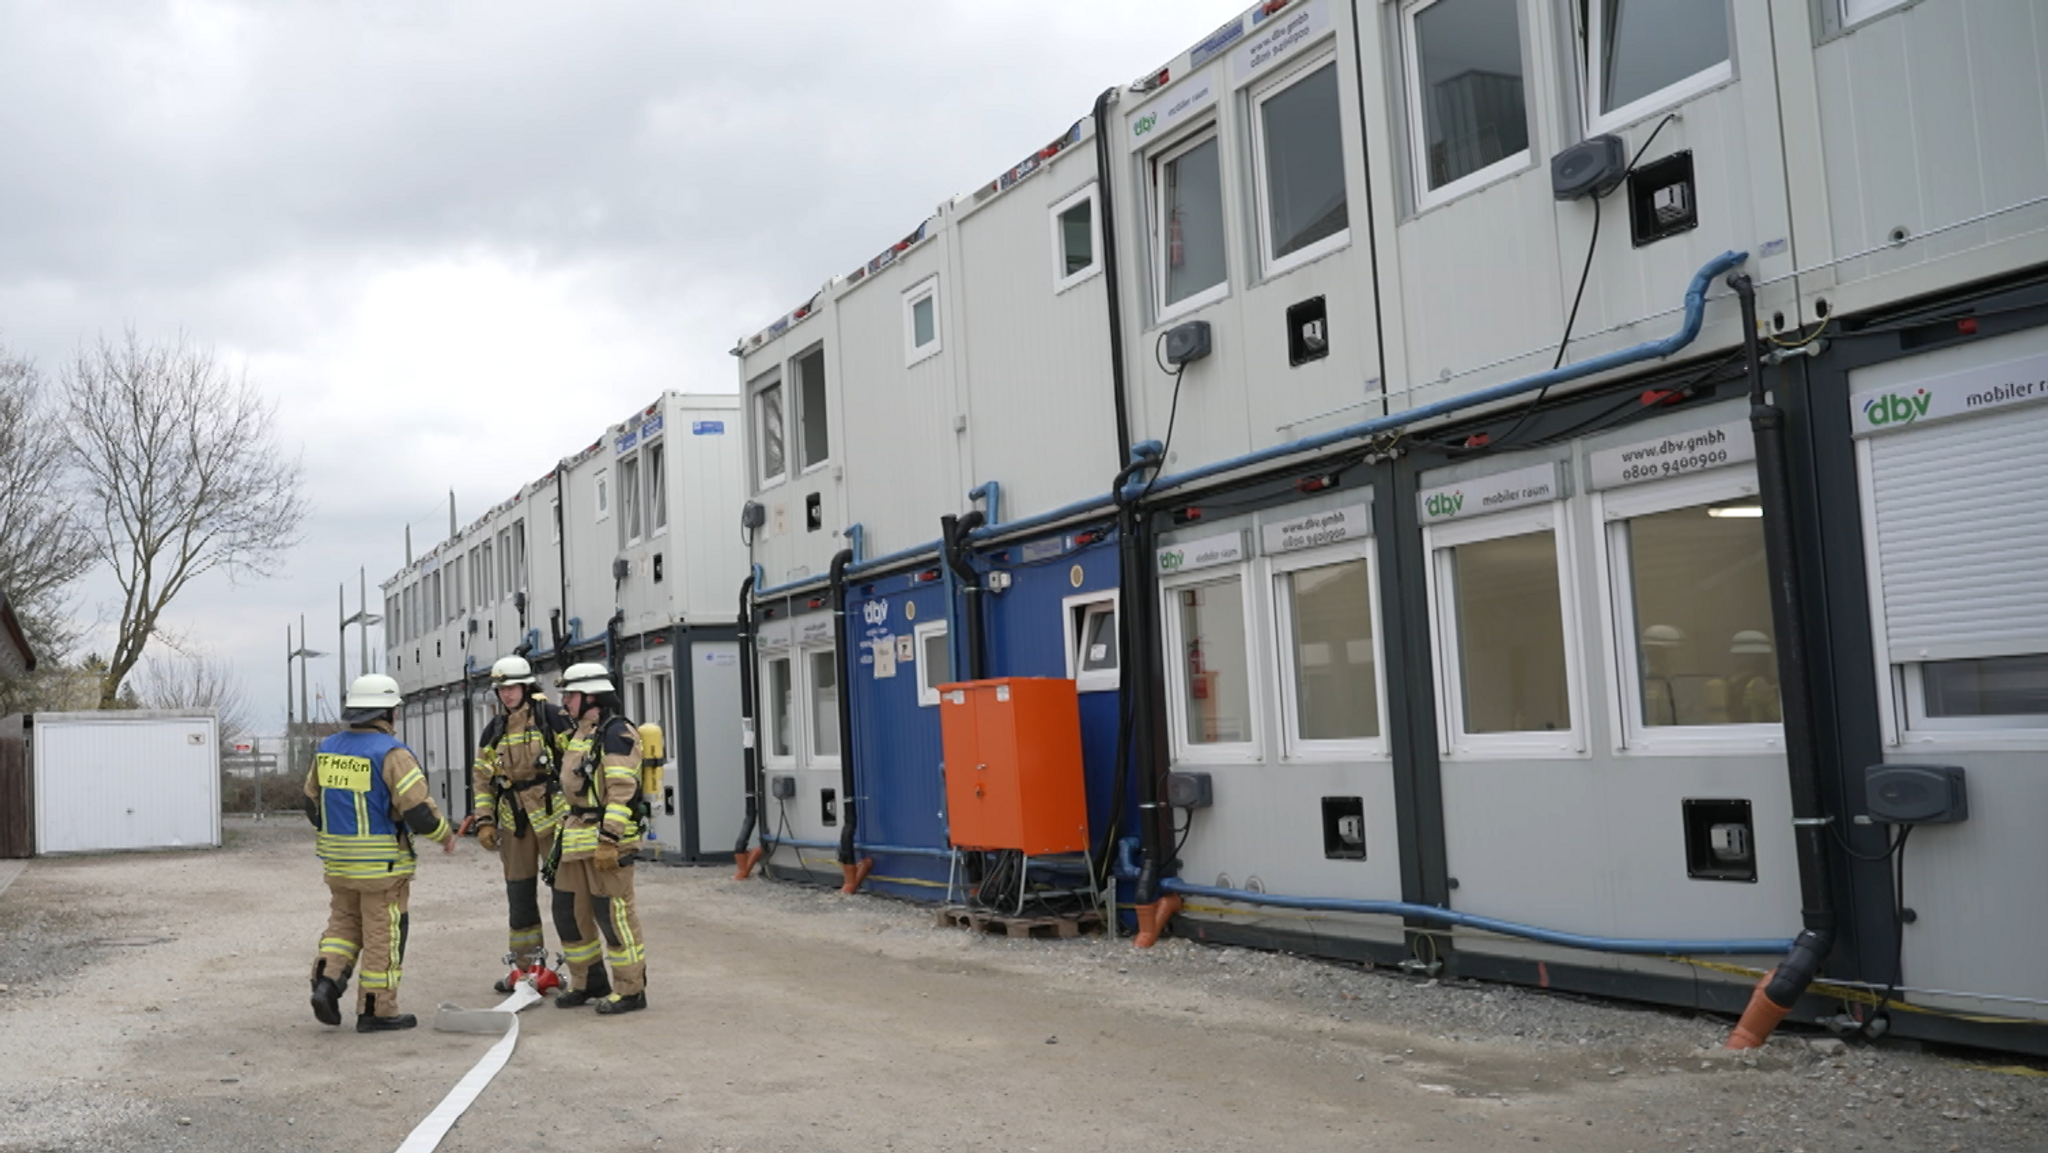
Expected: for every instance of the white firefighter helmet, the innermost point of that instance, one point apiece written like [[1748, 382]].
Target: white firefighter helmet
[[1663, 636], [1750, 641], [588, 677], [512, 671], [372, 693]]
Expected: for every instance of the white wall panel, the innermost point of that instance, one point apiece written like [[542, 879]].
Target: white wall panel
[[1041, 414]]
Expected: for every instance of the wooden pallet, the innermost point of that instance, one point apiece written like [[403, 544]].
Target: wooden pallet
[[988, 921]]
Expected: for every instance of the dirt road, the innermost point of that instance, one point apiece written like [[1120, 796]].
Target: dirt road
[[159, 1002]]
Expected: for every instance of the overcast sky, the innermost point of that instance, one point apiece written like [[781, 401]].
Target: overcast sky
[[456, 240]]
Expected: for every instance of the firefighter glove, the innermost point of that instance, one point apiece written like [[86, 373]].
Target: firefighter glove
[[607, 855], [487, 836]]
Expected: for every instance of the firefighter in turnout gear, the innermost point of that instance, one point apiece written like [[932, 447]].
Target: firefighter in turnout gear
[[600, 777], [519, 807], [367, 797]]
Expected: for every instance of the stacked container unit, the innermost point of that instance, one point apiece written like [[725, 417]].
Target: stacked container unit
[[929, 378], [1454, 577], [1560, 707], [1922, 221], [624, 553]]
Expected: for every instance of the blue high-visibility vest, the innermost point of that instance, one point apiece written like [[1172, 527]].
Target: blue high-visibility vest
[[358, 835]]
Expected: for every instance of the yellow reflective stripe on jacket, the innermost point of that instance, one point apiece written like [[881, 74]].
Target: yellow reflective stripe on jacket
[[579, 839], [415, 777], [366, 855]]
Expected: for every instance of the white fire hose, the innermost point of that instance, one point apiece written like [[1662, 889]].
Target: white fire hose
[[500, 1020]]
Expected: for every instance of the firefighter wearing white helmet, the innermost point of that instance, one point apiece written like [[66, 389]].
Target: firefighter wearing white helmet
[[367, 797], [594, 883], [519, 808]]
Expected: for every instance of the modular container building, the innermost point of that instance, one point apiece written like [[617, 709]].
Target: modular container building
[[108, 781], [1485, 625], [624, 553]]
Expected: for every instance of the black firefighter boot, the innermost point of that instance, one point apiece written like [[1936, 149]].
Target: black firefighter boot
[[327, 1000], [370, 1022], [622, 1003], [596, 984]]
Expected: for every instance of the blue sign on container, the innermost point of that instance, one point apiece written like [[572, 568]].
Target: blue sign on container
[[707, 428]]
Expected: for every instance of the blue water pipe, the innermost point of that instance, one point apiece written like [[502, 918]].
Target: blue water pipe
[[992, 493], [1688, 331], [1127, 869]]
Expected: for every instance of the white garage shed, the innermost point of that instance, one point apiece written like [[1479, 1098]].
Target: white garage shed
[[105, 781]]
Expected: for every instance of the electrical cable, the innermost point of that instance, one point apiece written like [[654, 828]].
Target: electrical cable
[[1172, 414], [1887, 855], [1898, 851], [1585, 272], [1803, 341]]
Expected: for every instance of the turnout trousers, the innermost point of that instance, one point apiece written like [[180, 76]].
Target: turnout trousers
[[590, 902], [521, 856], [366, 931]]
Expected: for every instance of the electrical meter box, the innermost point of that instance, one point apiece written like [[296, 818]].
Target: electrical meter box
[[1013, 765]]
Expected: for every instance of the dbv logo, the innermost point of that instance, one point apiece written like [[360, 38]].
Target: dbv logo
[[876, 612], [1887, 408], [1444, 504], [1145, 124]]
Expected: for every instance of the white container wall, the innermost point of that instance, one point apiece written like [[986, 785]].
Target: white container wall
[[126, 780]]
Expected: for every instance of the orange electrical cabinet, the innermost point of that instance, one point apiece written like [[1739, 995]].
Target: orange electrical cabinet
[[1013, 765]]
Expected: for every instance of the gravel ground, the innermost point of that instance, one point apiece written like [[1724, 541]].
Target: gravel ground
[[158, 1002]]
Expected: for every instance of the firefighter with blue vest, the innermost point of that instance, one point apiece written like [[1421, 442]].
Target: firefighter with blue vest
[[600, 778], [368, 798], [518, 808]]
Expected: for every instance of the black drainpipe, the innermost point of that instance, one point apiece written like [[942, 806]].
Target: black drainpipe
[[848, 811], [1105, 204], [750, 757], [561, 564], [1130, 561], [953, 532], [1789, 980]]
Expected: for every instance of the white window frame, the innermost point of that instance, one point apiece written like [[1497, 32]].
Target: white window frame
[[554, 519], [1677, 92], [1902, 704], [807, 696], [1293, 746], [1611, 511], [795, 410], [664, 693], [913, 352], [757, 388], [601, 493], [1246, 752], [1074, 613], [1456, 743], [657, 486], [1061, 279], [1156, 162], [1855, 12], [1261, 208], [1418, 133], [630, 510], [927, 692], [764, 738]]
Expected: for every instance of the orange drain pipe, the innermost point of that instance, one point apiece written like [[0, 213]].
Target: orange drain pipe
[[746, 862], [1759, 1018], [856, 873], [1152, 919]]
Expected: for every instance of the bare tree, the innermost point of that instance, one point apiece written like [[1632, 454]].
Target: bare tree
[[195, 682], [181, 464], [43, 547]]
